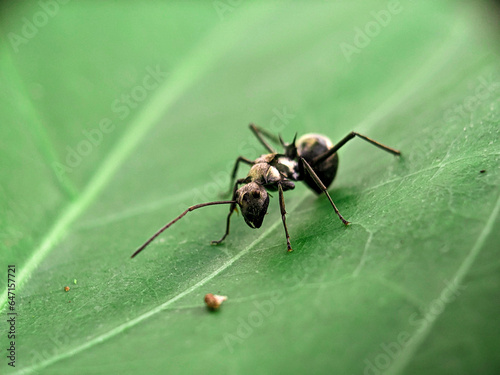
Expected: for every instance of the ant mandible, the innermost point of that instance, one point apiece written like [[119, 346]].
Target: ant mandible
[[312, 159]]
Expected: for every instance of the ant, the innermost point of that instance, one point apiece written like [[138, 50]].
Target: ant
[[312, 159]]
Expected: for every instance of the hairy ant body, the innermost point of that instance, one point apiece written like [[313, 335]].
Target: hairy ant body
[[312, 159]]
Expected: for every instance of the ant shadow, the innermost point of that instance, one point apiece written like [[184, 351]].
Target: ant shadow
[[314, 216], [343, 197]]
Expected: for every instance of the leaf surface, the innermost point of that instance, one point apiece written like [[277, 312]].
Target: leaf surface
[[411, 286]]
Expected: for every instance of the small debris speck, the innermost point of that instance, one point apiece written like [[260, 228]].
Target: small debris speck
[[74, 281], [66, 288], [482, 171], [213, 301]]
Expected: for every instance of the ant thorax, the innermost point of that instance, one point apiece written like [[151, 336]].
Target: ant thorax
[[264, 174], [288, 167], [270, 169]]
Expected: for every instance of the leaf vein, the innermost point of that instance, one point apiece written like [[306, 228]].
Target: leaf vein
[[431, 317]]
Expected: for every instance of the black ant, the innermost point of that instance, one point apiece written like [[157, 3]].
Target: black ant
[[312, 159]]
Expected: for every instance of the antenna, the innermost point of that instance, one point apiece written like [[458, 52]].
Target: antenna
[[192, 208]]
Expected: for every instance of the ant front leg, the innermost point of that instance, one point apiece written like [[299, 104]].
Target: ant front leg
[[235, 171], [322, 187], [232, 208], [283, 214]]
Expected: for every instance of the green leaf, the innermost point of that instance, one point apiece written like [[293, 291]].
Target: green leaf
[[118, 116]]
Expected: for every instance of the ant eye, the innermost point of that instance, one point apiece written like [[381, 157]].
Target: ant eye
[[256, 194], [245, 197]]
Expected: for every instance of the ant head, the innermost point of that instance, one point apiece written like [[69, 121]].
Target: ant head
[[253, 201]]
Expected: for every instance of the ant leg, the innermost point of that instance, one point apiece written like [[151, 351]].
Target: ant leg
[[283, 213], [347, 138], [232, 208], [235, 170], [323, 188], [259, 133]]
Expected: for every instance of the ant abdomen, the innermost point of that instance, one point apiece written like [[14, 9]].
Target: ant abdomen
[[310, 146]]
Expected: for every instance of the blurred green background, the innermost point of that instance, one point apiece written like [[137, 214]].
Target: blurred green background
[[116, 116]]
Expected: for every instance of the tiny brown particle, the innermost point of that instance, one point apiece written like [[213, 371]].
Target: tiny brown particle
[[214, 301], [482, 171], [66, 288]]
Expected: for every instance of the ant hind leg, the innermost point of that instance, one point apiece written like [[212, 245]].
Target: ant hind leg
[[347, 138]]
